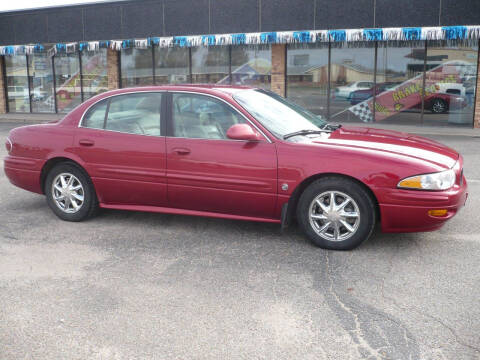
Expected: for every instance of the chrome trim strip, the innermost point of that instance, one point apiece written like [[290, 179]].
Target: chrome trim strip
[[182, 137], [122, 132], [171, 91]]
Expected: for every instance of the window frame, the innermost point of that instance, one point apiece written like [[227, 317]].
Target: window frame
[[162, 112], [170, 124]]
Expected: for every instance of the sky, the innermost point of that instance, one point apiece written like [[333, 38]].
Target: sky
[[6, 5]]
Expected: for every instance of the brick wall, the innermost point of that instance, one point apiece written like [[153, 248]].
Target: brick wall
[[3, 96], [278, 68], [476, 116], [112, 69]]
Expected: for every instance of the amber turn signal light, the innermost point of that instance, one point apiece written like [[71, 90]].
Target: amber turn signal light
[[438, 213]]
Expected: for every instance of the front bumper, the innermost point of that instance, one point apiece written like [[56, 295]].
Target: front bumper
[[407, 210]]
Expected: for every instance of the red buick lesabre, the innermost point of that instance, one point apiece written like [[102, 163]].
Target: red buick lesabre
[[236, 153]]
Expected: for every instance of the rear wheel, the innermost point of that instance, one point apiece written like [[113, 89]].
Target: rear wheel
[[70, 193], [439, 106], [336, 213]]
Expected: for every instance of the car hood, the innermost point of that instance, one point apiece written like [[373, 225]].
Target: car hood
[[394, 142]]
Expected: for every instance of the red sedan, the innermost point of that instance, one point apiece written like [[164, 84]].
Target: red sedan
[[236, 153], [435, 102]]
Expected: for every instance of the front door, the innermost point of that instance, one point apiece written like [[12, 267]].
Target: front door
[[123, 145], [206, 171]]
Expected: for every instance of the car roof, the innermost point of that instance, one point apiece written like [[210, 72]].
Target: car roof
[[204, 88]]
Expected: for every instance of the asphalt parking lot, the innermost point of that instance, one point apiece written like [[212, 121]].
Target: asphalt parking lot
[[129, 285]]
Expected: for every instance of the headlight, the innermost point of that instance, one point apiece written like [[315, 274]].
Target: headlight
[[437, 181]]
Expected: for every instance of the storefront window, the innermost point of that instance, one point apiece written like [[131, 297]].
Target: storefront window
[[171, 65], [67, 81], [17, 83], [450, 85], [307, 76], [94, 72], [41, 83], [136, 67], [399, 84], [210, 64], [251, 65], [351, 72]]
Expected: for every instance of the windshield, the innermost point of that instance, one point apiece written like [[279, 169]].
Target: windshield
[[278, 115]]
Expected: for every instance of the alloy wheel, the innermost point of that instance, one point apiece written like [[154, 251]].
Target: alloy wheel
[[68, 193], [438, 106], [334, 216]]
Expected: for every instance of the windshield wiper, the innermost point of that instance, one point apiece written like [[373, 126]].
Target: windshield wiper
[[330, 127], [302, 132], [324, 128]]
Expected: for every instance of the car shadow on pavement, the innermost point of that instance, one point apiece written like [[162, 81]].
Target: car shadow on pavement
[[378, 242]]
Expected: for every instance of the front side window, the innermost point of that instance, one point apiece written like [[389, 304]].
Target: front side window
[[133, 114], [203, 117], [280, 116]]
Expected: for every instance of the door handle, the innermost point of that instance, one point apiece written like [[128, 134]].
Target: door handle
[[86, 142], [181, 151]]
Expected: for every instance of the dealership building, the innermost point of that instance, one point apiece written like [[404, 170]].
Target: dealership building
[[375, 61]]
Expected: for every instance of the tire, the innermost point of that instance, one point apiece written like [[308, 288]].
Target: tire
[[439, 106], [360, 203], [84, 209]]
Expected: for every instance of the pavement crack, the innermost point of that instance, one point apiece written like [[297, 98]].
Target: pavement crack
[[451, 330], [434, 318], [357, 333]]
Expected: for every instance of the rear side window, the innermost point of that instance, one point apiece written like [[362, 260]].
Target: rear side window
[[135, 114], [96, 116], [132, 114]]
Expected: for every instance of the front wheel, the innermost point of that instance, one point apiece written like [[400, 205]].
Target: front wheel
[[70, 193], [336, 213]]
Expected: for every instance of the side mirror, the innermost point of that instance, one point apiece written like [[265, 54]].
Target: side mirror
[[243, 132]]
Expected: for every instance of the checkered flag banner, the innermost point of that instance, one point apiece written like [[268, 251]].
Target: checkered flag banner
[[362, 110]]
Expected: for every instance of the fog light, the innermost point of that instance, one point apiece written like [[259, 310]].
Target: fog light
[[438, 213]]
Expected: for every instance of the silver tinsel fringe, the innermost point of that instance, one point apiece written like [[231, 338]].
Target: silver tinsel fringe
[[339, 38]]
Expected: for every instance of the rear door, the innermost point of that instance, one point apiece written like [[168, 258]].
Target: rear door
[[122, 142], [206, 171]]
